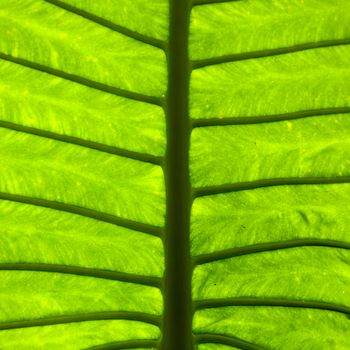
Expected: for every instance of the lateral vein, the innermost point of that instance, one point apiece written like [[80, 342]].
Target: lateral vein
[[210, 2], [251, 185], [109, 24], [84, 271], [95, 316], [225, 340], [273, 302], [264, 247], [196, 64], [142, 157], [84, 81], [206, 122], [129, 344], [90, 213]]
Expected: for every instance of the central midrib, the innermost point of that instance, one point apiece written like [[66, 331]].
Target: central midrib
[[177, 320]]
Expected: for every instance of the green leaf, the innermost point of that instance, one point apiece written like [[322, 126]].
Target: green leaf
[[78, 335], [74, 110], [256, 25], [293, 331], [302, 214], [141, 16], [174, 174], [260, 86], [310, 147], [75, 45]]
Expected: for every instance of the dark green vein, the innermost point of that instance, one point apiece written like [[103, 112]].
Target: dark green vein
[[129, 344], [177, 321], [267, 118], [264, 247], [143, 157], [225, 340], [242, 186], [216, 303], [83, 271], [94, 316], [268, 52], [108, 24], [84, 81], [90, 213], [210, 2]]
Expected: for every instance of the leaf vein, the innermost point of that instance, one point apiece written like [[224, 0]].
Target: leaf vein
[[225, 340], [84, 81], [84, 271], [273, 302], [210, 2], [207, 122], [95, 316], [109, 24], [196, 64], [90, 213], [130, 344], [264, 247], [142, 157], [251, 185]]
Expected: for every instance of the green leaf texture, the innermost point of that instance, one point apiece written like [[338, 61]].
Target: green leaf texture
[[269, 162], [82, 190], [84, 179]]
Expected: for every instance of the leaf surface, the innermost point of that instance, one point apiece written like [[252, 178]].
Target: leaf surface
[[271, 85], [82, 193], [253, 25], [269, 167], [275, 327], [174, 164]]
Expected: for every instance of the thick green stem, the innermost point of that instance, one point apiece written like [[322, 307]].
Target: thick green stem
[[177, 322]]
